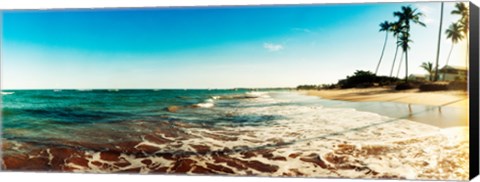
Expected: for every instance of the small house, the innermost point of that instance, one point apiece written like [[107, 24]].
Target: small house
[[453, 73]]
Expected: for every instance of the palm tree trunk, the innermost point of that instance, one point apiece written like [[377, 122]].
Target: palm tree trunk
[[467, 57], [406, 66], [383, 51], [467, 51], [400, 64], [448, 59], [430, 75], [394, 59], [439, 39]]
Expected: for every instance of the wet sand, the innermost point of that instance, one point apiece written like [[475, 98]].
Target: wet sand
[[313, 141], [442, 109]]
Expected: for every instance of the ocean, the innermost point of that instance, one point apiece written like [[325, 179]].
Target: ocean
[[230, 132]]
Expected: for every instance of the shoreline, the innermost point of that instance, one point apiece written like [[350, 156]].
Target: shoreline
[[442, 109], [313, 139]]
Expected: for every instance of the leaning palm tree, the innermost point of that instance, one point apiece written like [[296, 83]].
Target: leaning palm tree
[[438, 42], [454, 33], [428, 66], [384, 27], [399, 63], [462, 10], [395, 28], [405, 17], [403, 42]]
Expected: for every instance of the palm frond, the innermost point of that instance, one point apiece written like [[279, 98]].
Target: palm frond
[[385, 26], [454, 32]]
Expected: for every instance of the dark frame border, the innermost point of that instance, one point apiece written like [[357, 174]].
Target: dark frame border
[[474, 91], [474, 80]]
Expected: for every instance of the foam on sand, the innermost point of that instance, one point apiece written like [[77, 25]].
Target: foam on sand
[[302, 140], [315, 141]]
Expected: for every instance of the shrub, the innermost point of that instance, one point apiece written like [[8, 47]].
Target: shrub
[[458, 85], [364, 79], [307, 87], [404, 86], [433, 86]]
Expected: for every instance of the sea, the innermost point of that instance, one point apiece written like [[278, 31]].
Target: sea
[[266, 132]]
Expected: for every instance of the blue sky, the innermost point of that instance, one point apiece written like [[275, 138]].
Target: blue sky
[[207, 47]]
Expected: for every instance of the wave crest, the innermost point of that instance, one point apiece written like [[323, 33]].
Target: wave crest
[[7, 93], [207, 104]]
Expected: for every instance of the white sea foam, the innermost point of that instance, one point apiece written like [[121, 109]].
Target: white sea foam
[[7, 93], [255, 94], [207, 104], [352, 143], [320, 130]]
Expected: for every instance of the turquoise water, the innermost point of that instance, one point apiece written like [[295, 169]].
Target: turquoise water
[[37, 115], [25, 107], [241, 132], [46, 114]]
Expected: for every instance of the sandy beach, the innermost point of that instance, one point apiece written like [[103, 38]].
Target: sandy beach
[[439, 98], [441, 108], [276, 133]]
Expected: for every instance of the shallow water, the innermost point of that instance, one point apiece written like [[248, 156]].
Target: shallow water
[[272, 133], [443, 117]]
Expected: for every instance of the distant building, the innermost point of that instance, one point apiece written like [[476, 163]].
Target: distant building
[[453, 73], [418, 77]]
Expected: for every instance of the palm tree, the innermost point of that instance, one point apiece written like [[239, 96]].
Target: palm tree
[[399, 63], [462, 10], [403, 42], [454, 33], [396, 29], [438, 44], [384, 26], [428, 66], [406, 16]]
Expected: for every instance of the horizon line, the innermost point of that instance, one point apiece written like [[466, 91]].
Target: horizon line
[[80, 89]]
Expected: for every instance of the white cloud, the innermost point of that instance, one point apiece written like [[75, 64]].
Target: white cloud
[[306, 30], [424, 9], [428, 21], [272, 47], [427, 12]]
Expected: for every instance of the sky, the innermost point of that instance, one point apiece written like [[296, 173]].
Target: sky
[[210, 47]]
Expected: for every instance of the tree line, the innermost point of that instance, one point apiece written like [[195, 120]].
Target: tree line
[[401, 32]]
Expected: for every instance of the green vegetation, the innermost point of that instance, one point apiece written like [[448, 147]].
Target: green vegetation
[[359, 79], [363, 79], [384, 27], [401, 32], [428, 66], [317, 87], [462, 10], [396, 29], [405, 17], [454, 33]]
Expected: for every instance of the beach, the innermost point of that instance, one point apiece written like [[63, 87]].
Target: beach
[[224, 132], [413, 96], [439, 108]]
